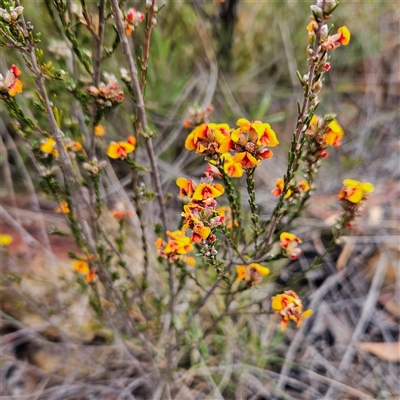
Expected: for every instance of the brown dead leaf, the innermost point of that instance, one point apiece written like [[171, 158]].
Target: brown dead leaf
[[384, 351]]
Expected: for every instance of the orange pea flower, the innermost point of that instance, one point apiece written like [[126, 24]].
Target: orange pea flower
[[62, 208], [49, 147], [83, 268], [344, 35], [334, 134], [279, 189], [246, 159], [119, 149], [11, 83], [205, 191], [268, 137], [355, 191], [289, 307], [289, 243], [251, 273], [232, 168], [186, 187], [303, 186], [177, 245], [200, 232]]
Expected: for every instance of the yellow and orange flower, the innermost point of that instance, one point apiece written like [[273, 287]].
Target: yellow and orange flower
[[200, 232], [279, 189], [186, 187], [355, 191], [289, 307], [268, 137], [11, 83], [63, 208], [333, 134], [83, 268], [206, 191], [251, 273], [246, 159], [341, 38], [344, 38], [232, 169], [49, 147], [119, 149], [208, 139], [303, 186], [178, 244], [289, 243]]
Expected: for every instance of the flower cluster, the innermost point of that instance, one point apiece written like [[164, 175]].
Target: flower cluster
[[12, 13], [251, 273], [49, 147], [248, 143], [132, 20], [108, 94], [320, 42], [200, 215], [289, 307], [207, 139], [177, 246], [289, 243], [121, 149], [11, 84], [294, 190]]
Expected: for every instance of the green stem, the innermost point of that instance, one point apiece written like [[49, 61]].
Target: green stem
[[253, 206]]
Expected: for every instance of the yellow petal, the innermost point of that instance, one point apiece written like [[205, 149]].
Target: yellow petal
[[260, 269], [243, 123], [5, 240], [357, 196], [112, 150], [367, 187], [276, 303], [241, 271], [16, 88], [287, 235], [48, 146], [307, 313], [190, 142], [350, 183], [236, 134]]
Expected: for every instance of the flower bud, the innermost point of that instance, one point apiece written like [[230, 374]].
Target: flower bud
[[324, 32], [317, 11], [7, 17]]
